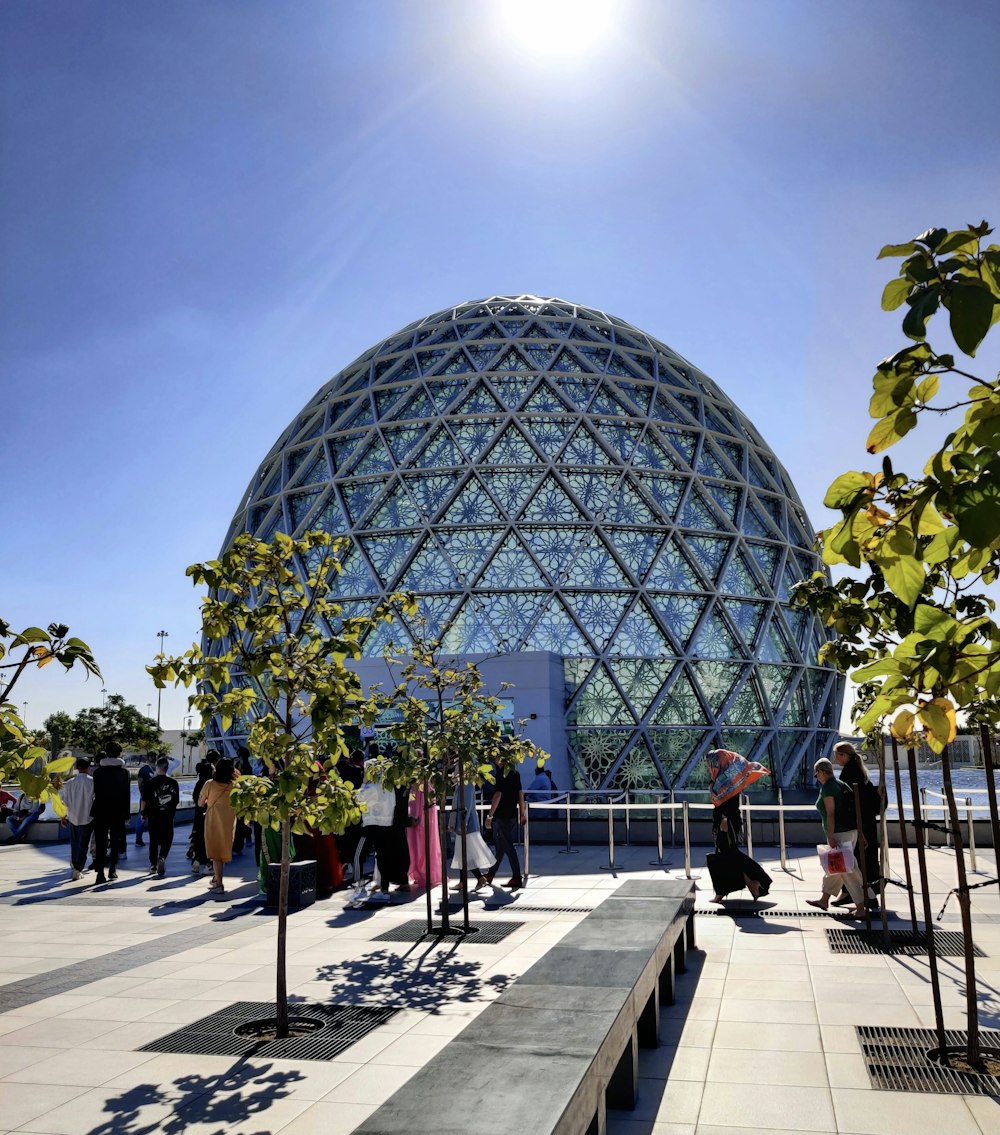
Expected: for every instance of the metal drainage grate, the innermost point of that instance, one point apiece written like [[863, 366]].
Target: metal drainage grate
[[947, 943], [215, 1035], [898, 1061], [749, 912], [529, 908], [484, 935]]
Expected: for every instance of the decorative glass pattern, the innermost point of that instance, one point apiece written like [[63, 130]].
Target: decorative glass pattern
[[547, 477]]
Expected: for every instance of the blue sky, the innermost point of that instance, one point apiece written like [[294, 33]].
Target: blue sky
[[209, 207]]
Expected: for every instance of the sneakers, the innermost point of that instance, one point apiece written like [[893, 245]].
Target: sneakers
[[100, 880], [379, 897], [161, 868], [359, 897], [76, 875], [215, 888], [113, 874], [195, 867], [152, 869], [140, 843]]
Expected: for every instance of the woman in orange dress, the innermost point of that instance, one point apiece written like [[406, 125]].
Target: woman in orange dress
[[220, 821]]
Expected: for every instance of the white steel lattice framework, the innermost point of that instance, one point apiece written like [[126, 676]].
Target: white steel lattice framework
[[547, 477]]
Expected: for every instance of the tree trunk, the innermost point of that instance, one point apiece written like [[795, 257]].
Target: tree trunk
[[991, 788], [281, 979], [443, 842], [965, 907], [463, 825], [428, 889], [904, 839]]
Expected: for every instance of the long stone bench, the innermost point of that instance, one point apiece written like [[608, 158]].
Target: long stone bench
[[561, 1044]]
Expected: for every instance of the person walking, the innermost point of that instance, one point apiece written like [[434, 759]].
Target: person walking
[[837, 816], [111, 809], [147, 770], [854, 773], [220, 821], [243, 834], [731, 870], [162, 795], [506, 808], [421, 872], [205, 770], [78, 796], [465, 815]]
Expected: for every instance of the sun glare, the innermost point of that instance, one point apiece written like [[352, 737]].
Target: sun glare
[[554, 29]]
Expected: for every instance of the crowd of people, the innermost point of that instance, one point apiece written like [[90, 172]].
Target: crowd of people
[[400, 829]]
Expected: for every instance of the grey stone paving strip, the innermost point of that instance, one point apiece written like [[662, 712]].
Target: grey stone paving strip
[[73, 977]]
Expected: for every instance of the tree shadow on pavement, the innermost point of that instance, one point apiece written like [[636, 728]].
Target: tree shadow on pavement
[[428, 981], [233, 1102]]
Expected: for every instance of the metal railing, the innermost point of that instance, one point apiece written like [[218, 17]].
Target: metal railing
[[617, 805]]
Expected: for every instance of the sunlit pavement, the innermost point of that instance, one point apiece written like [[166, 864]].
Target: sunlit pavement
[[761, 1037]]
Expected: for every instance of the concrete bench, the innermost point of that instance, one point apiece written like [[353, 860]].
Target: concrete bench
[[560, 1046]]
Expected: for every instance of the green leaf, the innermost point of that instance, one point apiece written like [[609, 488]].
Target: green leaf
[[932, 237], [897, 250], [942, 546], [922, 307], [958, 241], [971, 306], [904, 573], [934, 623], [891, 429], [976, 507], [928, 388], [895, 293], [845, 488]]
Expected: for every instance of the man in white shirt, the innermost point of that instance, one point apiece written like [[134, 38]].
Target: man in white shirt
[[78, 796]]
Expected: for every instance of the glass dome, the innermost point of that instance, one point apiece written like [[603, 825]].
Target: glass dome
[[546, 477]]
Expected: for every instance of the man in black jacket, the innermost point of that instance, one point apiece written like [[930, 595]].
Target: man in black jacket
[[111, 810], [160, 795]]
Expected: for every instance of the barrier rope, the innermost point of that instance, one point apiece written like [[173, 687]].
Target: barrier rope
[[964, 891]]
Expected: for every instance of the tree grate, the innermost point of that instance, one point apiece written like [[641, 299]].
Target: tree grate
[[215, 1035], [749, 912], [530, 908], [415, 930], [947, 943], [898, 1061]]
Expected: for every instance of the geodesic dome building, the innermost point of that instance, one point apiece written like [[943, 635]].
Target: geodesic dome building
[[548, 478]]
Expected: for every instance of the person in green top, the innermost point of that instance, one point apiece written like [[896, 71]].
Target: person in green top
[[837, 820]]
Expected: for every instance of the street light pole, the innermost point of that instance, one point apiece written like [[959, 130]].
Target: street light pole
[[24, 717], [104, 698], [161, 635]]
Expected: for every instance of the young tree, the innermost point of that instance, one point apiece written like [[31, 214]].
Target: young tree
[[117, 721], [277, 647], [918, 624], [20, 753], [450, 734]]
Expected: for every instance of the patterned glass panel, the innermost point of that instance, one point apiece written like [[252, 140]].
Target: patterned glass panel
[[512, 449], [599, 703], [511, 391], [716, 680], [430, 571], [767, 557], [642, 679], [709, 465], [555, 548], [696, 512], [512, 360], [635, 547], [469, 548], [709, 551], [746, 708], [472, 506], [577, 391], [638, 771], [300, 504], [714, 640], [683, 441], [387, 555], [432, 617], [511, 614], [727, 500], [597, 612], [738, 579], [418, 406], [440, 452], [747, 618], [576, 671], [402, 440], [549, 433], [444, 393], [331, 518], [510, 489], [595, 491], [797, 712], [551, 505], [775, 681], [665, 491], [511, 566], [398, 511], [481, 401], [773, 647], [639, 634], [680, 704], [680, 613], [376, 459], [595, 753], [650, 454], [430, 491], [627, 507], [593, 566], [545, 401], [355, 576], [622, 439], [583, 449], [751, 744], [674, 748], [469, 633], [474, 435], [554, 630], [673, 571], [359, 496]]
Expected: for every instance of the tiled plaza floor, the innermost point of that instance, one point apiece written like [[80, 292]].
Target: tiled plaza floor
[[761, 1039]]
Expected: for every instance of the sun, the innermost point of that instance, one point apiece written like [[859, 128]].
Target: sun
[[554, 29]]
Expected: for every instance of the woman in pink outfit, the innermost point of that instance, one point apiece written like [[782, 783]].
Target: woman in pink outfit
[[415, 841]]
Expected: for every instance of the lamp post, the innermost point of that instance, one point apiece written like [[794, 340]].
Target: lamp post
[[104, 698], [161, 635], [149, 709], [24, 715]]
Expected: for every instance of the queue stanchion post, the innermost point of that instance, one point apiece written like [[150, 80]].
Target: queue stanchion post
[[611, 865], [781, 831], [687, 843], [659, 861], [673, 819], [527, 844], [972, 835], [569, 849]]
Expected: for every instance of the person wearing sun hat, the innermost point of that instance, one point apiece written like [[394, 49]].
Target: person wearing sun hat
[[732, 870]]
